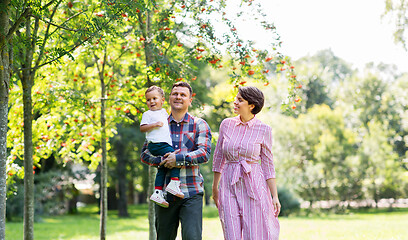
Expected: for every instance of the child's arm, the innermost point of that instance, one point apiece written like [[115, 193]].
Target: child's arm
[[149, 127]]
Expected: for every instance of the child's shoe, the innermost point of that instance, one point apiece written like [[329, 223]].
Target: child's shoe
[[174, 188], [158, 198]]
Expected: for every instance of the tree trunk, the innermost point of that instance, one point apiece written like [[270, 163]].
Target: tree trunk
[[131, 185], [4, 81], [152, 217], [27, 83], [4, 92], [375, 194], [146, 29], [121, 171], [104, 166]]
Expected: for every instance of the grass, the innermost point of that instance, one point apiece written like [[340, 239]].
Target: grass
[[364, 224]]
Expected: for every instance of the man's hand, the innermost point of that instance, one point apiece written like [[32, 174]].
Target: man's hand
[[170, 159]]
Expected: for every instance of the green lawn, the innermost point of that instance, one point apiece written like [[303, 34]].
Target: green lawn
[[372, 224]]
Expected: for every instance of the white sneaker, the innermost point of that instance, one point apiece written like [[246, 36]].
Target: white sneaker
[[174, 188], [158, 198]]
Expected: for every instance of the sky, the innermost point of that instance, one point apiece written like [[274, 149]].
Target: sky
[[352, 29]]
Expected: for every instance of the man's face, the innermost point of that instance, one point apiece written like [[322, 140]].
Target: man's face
[[180, 99]]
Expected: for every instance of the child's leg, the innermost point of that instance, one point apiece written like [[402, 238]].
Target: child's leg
[[159, 149], [174, 185], [160, 177], [175, 173]]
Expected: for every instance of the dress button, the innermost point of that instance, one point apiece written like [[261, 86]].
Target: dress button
[[176, 146], [176, 135]]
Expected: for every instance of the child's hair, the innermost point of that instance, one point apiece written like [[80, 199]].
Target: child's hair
[[152, 88]]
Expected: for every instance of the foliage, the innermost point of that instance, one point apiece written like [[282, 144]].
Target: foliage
[[397, 11], [53, 192], [355, 148], [288, 201]]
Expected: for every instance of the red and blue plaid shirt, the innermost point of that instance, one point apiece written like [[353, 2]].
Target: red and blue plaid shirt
[[193, 137]]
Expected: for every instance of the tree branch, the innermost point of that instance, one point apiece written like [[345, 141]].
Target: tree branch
[[48, 4], [46, 36], [62, 27], [14, 28]]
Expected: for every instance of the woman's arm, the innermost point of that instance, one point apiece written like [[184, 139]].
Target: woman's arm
[[274, 191], [218, 162], [216, 181], [268, 168]]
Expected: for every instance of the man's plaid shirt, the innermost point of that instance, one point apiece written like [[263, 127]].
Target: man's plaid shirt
[[193, 137]]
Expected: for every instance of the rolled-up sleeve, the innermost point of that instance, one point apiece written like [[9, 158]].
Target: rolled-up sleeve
[[148, 158], [203, 146], [267, 164], [218, 158]]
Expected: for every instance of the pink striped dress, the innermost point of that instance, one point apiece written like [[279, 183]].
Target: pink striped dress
[[243, 156]]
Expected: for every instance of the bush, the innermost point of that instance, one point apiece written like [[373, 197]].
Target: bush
[[54, 193], [15, 203], [288, 201]]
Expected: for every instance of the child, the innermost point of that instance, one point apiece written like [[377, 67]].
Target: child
[[155, 124]]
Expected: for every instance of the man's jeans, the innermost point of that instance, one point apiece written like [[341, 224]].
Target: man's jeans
[[188, 211]]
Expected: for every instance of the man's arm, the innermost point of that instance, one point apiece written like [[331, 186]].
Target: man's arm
[[202, 143], [200, 155], [148, 158]]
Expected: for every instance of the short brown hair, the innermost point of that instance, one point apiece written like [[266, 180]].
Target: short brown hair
[[254, 96], [152, 88], [183, 84]]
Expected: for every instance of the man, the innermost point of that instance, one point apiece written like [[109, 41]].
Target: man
[[191, 137]]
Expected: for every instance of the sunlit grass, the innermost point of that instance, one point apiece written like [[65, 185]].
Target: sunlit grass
[[364, 224]]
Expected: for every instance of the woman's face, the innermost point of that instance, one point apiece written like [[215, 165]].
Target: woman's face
[[241, 106]]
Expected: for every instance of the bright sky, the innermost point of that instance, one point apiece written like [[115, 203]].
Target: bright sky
[[353, 30]]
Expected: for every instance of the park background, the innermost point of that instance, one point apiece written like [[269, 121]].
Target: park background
[[77, 75]]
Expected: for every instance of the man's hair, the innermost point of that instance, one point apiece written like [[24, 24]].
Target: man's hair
[[183, 84], [152, 88], [254, 96]]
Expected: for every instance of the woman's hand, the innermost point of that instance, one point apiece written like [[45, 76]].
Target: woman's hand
[[215, 195], [276, 205], [216, 181]]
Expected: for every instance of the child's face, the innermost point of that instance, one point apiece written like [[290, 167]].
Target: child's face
[[154, 100]]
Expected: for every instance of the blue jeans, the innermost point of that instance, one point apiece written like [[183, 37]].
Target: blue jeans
[[160, 149]]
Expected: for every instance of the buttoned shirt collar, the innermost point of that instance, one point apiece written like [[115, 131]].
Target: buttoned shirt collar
[[185, 119], [250, 123]]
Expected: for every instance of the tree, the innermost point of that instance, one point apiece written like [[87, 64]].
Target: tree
[[6, 55], [4, 92], [45, 38], [126, 145], [316, 149], [321, 73], [177, 35], [174, 37], [397, 10]]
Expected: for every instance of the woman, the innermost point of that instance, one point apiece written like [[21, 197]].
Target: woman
[[244, 174]]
